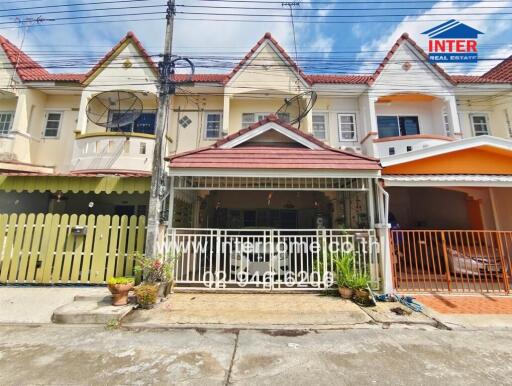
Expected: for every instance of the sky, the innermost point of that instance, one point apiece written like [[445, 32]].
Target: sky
[[71, 35]]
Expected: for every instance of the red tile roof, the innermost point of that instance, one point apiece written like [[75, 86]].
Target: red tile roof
[[339, 79], [29, 70], [501, 72], [200, 78], [130, 36], [78, 174], [478, 79], [25, 66], [272, 156]]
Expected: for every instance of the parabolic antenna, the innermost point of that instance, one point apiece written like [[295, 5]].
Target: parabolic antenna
[[114, 109], [298, 107]]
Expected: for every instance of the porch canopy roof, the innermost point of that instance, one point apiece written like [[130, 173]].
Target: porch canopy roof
[[272, 147], [477, 161], [75, 183]]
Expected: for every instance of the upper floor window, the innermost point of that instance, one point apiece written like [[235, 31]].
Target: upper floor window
[[144, 124], [250, 118], [480, 124], [52, 125], [347, 127], [397, 125], [320, 126], [213, 125], [446, 123], [6, 118]]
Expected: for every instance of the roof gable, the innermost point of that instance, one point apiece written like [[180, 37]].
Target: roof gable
[[419, 51], [110, 56], [277, 53]]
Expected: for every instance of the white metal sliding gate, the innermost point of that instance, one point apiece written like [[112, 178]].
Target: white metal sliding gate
[[299, 259]]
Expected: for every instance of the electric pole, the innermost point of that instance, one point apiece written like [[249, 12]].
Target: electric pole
[[166, 89]]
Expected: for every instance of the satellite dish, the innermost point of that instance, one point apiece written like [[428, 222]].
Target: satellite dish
[[114, 109], [298, 106]]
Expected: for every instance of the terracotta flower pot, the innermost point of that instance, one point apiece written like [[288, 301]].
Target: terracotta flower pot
[[120, 293], [345, 292], [362, 294]]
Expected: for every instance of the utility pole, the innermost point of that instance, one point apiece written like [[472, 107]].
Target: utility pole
[[166, 89]]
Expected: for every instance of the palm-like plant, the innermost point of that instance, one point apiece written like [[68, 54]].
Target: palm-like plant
[[345, 270]]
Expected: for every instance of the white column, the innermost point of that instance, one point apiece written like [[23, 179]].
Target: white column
[[226, 114], [453, 118], [20, 120], [81, 124]]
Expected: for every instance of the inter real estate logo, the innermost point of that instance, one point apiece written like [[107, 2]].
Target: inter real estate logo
[[452, 42]]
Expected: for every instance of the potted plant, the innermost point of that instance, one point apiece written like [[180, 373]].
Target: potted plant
[[119, 287], [345, 274], [157, 271], [146, 295], [360, 286]]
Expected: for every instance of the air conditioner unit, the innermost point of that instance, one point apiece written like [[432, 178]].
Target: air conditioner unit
[[351, 149]]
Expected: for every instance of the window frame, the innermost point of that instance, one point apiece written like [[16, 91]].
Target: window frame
[[446, 122], [398, 116], [45, 125], [255, 117], [488, 126], [9, 129], [340, 137], [149, 111], [326, 124], [205, 128]]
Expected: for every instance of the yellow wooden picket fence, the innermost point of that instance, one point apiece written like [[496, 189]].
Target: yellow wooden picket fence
[[53, 249]]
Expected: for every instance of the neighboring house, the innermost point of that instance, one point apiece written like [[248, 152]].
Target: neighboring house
[[238, 172]]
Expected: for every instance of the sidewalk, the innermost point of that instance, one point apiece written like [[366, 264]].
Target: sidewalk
[[267, 311], [35, 304], [469, 311]]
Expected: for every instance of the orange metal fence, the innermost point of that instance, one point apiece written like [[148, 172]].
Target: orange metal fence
[[452, 261]]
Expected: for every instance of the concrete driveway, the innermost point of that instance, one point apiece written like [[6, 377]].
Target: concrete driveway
[[86, 355], [36, 304]]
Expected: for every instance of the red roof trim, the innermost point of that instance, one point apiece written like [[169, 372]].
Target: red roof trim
[[267, 36], [501, 72], [401, 39], [130, 36], [25, 66]]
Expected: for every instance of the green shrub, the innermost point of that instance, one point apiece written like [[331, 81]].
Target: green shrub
[[154, 270], [120, 280], [146, 295], [360, 281], [345, 271]]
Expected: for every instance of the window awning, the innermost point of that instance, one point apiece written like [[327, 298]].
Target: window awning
[[25, 182]]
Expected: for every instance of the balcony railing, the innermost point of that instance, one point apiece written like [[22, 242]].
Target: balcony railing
[[407, 143], [113, 151]]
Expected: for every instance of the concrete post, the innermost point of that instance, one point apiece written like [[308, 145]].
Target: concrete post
[[385, 257], [225, 114]]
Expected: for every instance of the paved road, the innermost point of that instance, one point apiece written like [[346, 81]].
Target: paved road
[[93, 355]]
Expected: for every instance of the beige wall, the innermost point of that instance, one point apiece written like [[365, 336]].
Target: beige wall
[[502, 200]]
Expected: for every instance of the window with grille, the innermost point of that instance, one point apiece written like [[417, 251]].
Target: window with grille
[[250, 118], [480, 124], [52, 125], [347, 127], [6, 118], [319, 126], [213, 128]]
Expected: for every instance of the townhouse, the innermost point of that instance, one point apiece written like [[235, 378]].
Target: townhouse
[[408, 145]]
